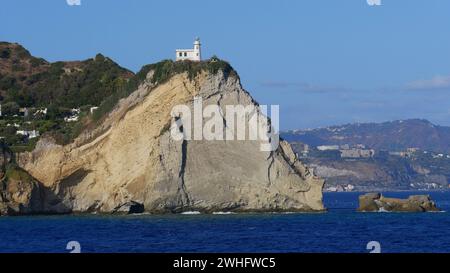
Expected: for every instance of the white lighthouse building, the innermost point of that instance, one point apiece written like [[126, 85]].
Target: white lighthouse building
[[190, 54]]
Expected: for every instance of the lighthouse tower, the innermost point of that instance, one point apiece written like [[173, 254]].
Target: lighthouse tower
[[194, 54], [197, 50]]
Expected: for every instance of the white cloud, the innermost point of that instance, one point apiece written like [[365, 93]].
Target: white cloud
[[73, 2], [437, 82]]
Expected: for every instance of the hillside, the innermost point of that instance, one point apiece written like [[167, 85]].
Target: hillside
[[64, 98], [38, 97], [398, 155], [29, 81], [390, 136]]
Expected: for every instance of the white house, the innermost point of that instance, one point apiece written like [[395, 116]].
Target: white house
[[42, 111], [75, 112], [71, 119], [92, 109], [29, 134], [190, 54]]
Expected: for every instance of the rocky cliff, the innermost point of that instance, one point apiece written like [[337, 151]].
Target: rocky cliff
[[130, 161]]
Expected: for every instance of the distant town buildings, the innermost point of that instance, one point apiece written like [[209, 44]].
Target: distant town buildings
[[346, 151], [408, 153], [340, 188], [357, 153], [301, 149], [328, 148]]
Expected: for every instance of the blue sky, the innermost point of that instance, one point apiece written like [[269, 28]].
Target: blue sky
[[324, 62]]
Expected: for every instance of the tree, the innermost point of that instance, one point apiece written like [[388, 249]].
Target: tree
[[5, 53], [10, 108]]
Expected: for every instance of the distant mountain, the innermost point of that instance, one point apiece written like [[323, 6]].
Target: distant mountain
[[392, 136]]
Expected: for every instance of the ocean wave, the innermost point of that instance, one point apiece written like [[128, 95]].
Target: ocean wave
[[191, 212], [223, 212]]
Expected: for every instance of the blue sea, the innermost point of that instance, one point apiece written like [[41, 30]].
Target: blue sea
[[341, 229]]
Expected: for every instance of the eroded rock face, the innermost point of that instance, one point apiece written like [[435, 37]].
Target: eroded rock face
[[130, 207], [131, 157], [21, 194], [375, 202]]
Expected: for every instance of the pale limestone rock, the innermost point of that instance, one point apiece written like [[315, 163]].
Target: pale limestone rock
[[131, 157]]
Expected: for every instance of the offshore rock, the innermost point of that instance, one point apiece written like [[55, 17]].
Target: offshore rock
[[375, 202]]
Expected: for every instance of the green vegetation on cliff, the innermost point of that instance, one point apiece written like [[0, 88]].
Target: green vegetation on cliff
[[16, 173], [65, 90], [27, 81], [163, 71]]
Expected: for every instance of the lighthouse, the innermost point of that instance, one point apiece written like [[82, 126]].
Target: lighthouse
[[194, 54]]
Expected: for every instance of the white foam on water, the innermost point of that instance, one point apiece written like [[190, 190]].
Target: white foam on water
[[223, 212], [137, 214], [191, 212]]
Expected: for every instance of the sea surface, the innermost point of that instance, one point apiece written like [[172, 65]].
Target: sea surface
[[341, 229]]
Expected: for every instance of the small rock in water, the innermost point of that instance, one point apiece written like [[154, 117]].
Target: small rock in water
[[376, 202]]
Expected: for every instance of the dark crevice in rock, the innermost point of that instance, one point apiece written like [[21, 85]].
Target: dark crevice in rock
[[272, 160], [131, 207], [71, 181], [184, 197]]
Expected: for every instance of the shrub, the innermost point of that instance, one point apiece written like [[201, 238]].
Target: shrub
[[162, 71], [10, 108], [35, 62], [5, 53]]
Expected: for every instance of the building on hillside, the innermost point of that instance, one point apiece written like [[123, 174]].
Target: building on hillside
[[301, 149], [23, 111], [190, 54], [408, 153], [42, 111], [412, 150], [345, 147], [74, 115], [92, 109], [328, 148], [28, 134], [357, 153], [71, 119]]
